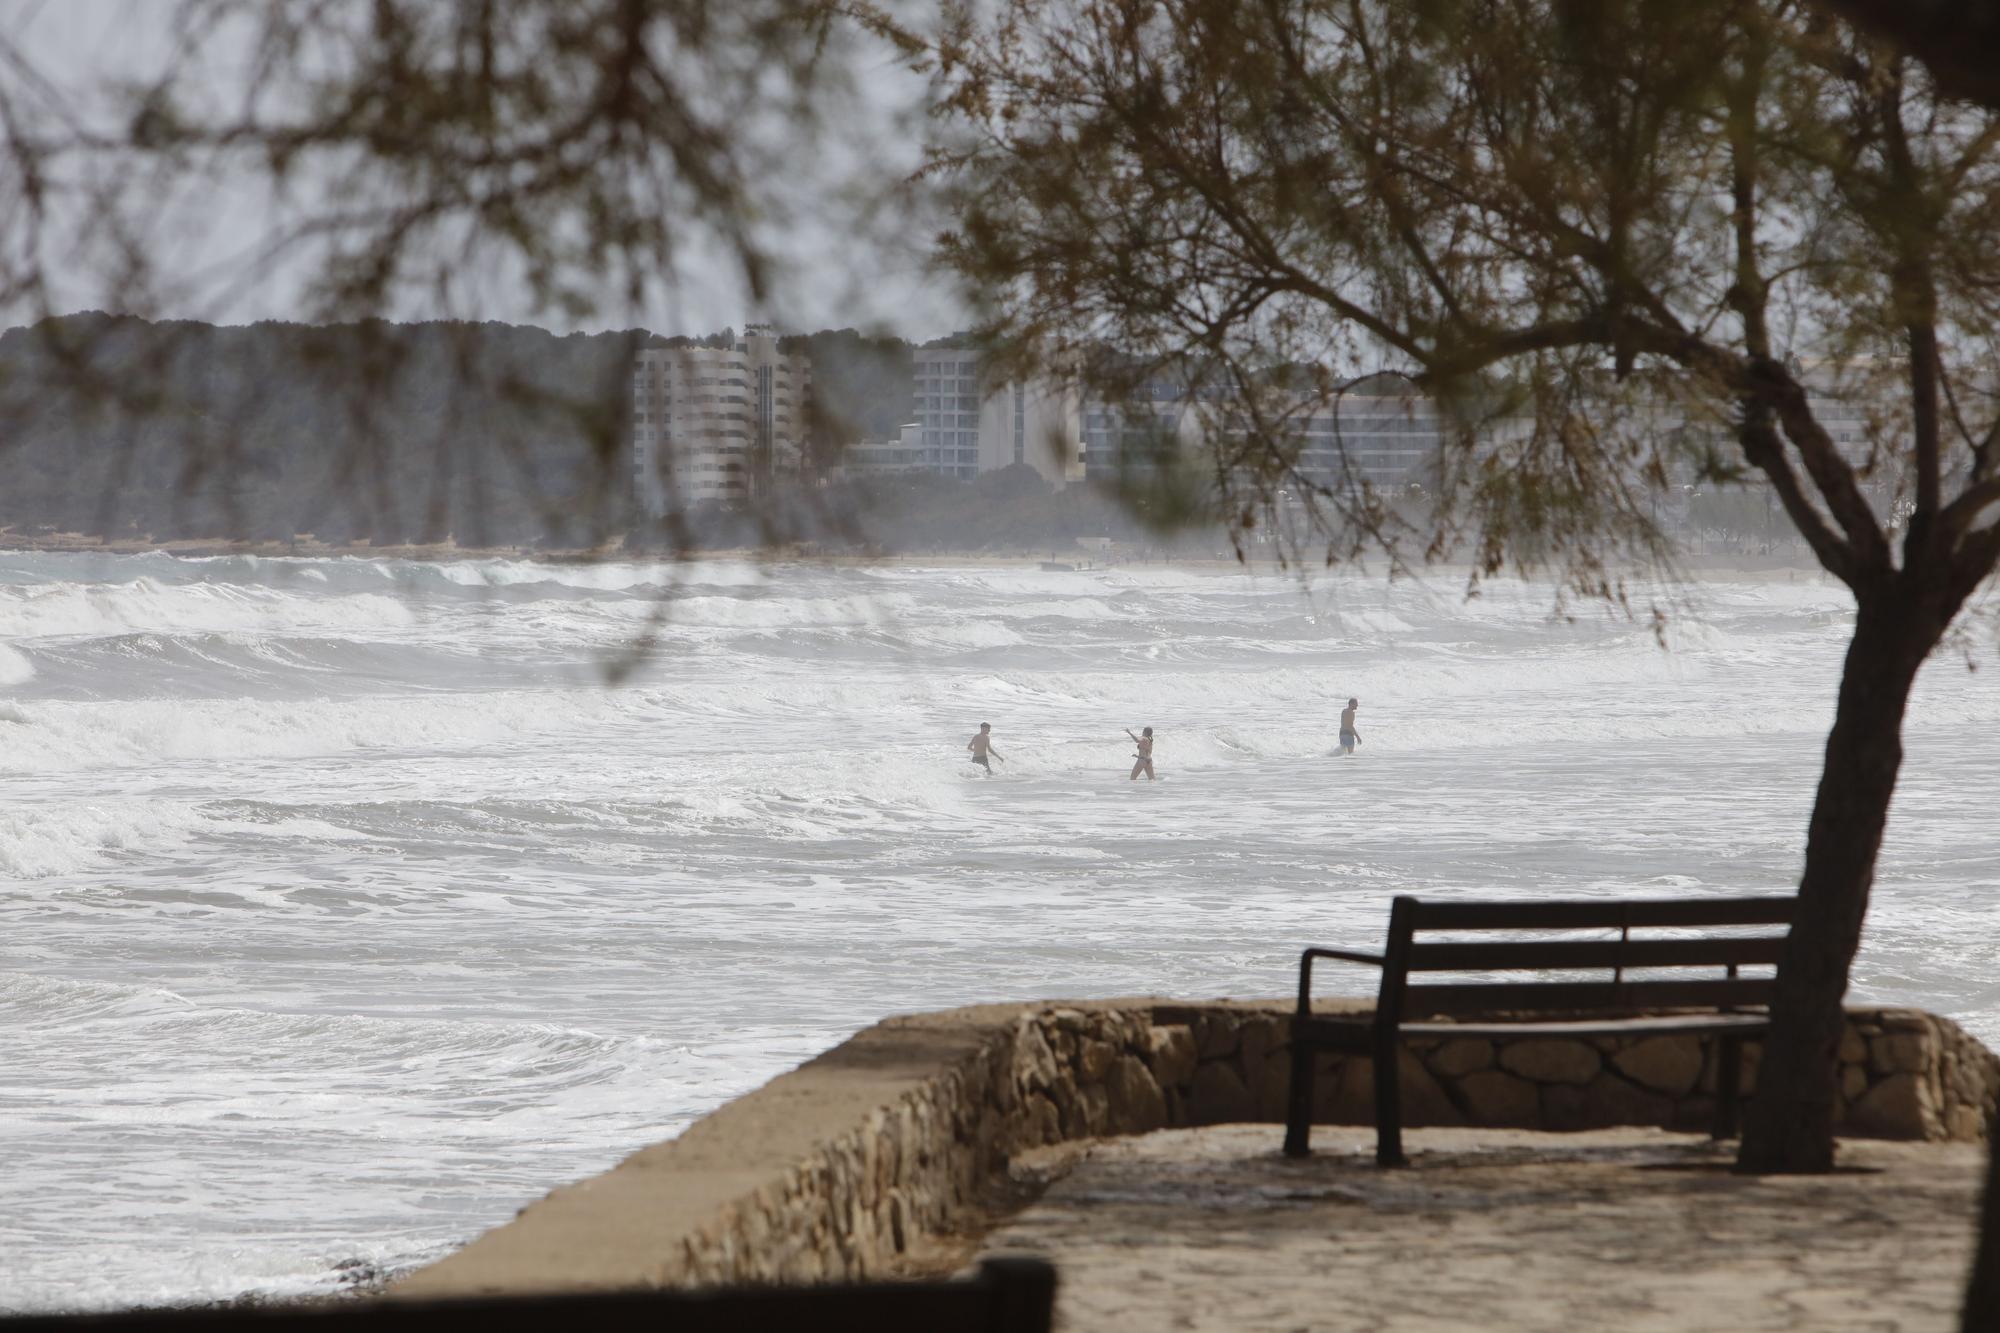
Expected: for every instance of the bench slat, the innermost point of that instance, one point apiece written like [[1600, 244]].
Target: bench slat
[[1602, 913], [1354, 1032], [1542, 955], [1650, 1025], [1555, 996]]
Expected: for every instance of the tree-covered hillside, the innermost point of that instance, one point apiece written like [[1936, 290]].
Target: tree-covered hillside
[[490, 434]]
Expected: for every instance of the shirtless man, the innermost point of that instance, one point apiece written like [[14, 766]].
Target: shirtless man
[[1349, 737], [982, 745], [1144, 759]]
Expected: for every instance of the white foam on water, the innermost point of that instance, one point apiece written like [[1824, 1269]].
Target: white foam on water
[[606, 576], [15, 667], [38, 841], [148, 606], [142, 734], [344, 908]]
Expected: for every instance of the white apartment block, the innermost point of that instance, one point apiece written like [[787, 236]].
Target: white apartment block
[[1387, 436], [947, 409], [1120, 440], [1859, 402], [1383, 439], [717, 423], [967, 426], [885, 458]]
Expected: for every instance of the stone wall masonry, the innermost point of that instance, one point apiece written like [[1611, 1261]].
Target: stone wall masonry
[[862, 1163]]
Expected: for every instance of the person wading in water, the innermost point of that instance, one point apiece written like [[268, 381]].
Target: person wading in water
[[1349, 737], [982, 745], [1143, 761]]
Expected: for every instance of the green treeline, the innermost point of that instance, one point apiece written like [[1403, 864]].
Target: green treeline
[[490, 434]]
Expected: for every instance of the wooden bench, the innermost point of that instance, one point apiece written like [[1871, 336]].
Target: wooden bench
[[1665, 998]]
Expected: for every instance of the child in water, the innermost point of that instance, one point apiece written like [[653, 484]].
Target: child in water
[[982, 745], [1144, 759]]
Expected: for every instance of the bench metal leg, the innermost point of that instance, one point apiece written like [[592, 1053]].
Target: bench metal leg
[[1388, 1104], [1728, 1078], [1299, 1099]]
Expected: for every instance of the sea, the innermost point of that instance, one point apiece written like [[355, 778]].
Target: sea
[[348, 905]]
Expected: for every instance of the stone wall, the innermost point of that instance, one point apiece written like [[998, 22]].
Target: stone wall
[[854, 1165], [1904, 1074]]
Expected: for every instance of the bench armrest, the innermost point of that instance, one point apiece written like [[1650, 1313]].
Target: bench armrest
[[1339, 955]]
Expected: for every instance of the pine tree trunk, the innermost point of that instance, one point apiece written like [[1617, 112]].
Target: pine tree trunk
[[1788, 1125]]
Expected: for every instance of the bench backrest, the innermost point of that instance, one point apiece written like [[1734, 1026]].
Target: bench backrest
[[1669, 943]]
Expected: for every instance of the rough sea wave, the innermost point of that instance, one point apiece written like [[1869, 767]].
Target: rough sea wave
[[345, 906]]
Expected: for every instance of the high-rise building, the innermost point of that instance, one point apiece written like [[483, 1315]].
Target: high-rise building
[[1380, 433], [886, 458], [947, 408], [1161, 423], [717, 423], [1383, 438], [968, 425]]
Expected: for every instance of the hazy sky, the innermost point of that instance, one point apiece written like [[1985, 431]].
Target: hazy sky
[[836, 274]]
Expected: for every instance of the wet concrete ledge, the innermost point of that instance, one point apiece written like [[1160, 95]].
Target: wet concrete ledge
[[870, 1160]]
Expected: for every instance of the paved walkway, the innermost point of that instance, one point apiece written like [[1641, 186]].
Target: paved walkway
[[1497, 1231]]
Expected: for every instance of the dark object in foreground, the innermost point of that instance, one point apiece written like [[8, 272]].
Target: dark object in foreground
[[1004, 1296], [1590, 1008], [1982, 1290]]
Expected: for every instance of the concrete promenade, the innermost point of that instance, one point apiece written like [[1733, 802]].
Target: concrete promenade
[[1154, 1125], [1501, 1231]]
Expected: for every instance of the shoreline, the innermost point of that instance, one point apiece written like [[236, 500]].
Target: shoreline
[[1696, 566]]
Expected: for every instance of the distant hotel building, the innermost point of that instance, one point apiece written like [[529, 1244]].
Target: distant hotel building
[[1382, 437], [1162, 421], [882, 458], [1387, 435], [948, 406], [1379, 433], [966, 426], [717, 423]]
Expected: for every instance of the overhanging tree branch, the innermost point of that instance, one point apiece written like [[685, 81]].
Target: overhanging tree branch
[[1765, 451], [1832, 476]]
